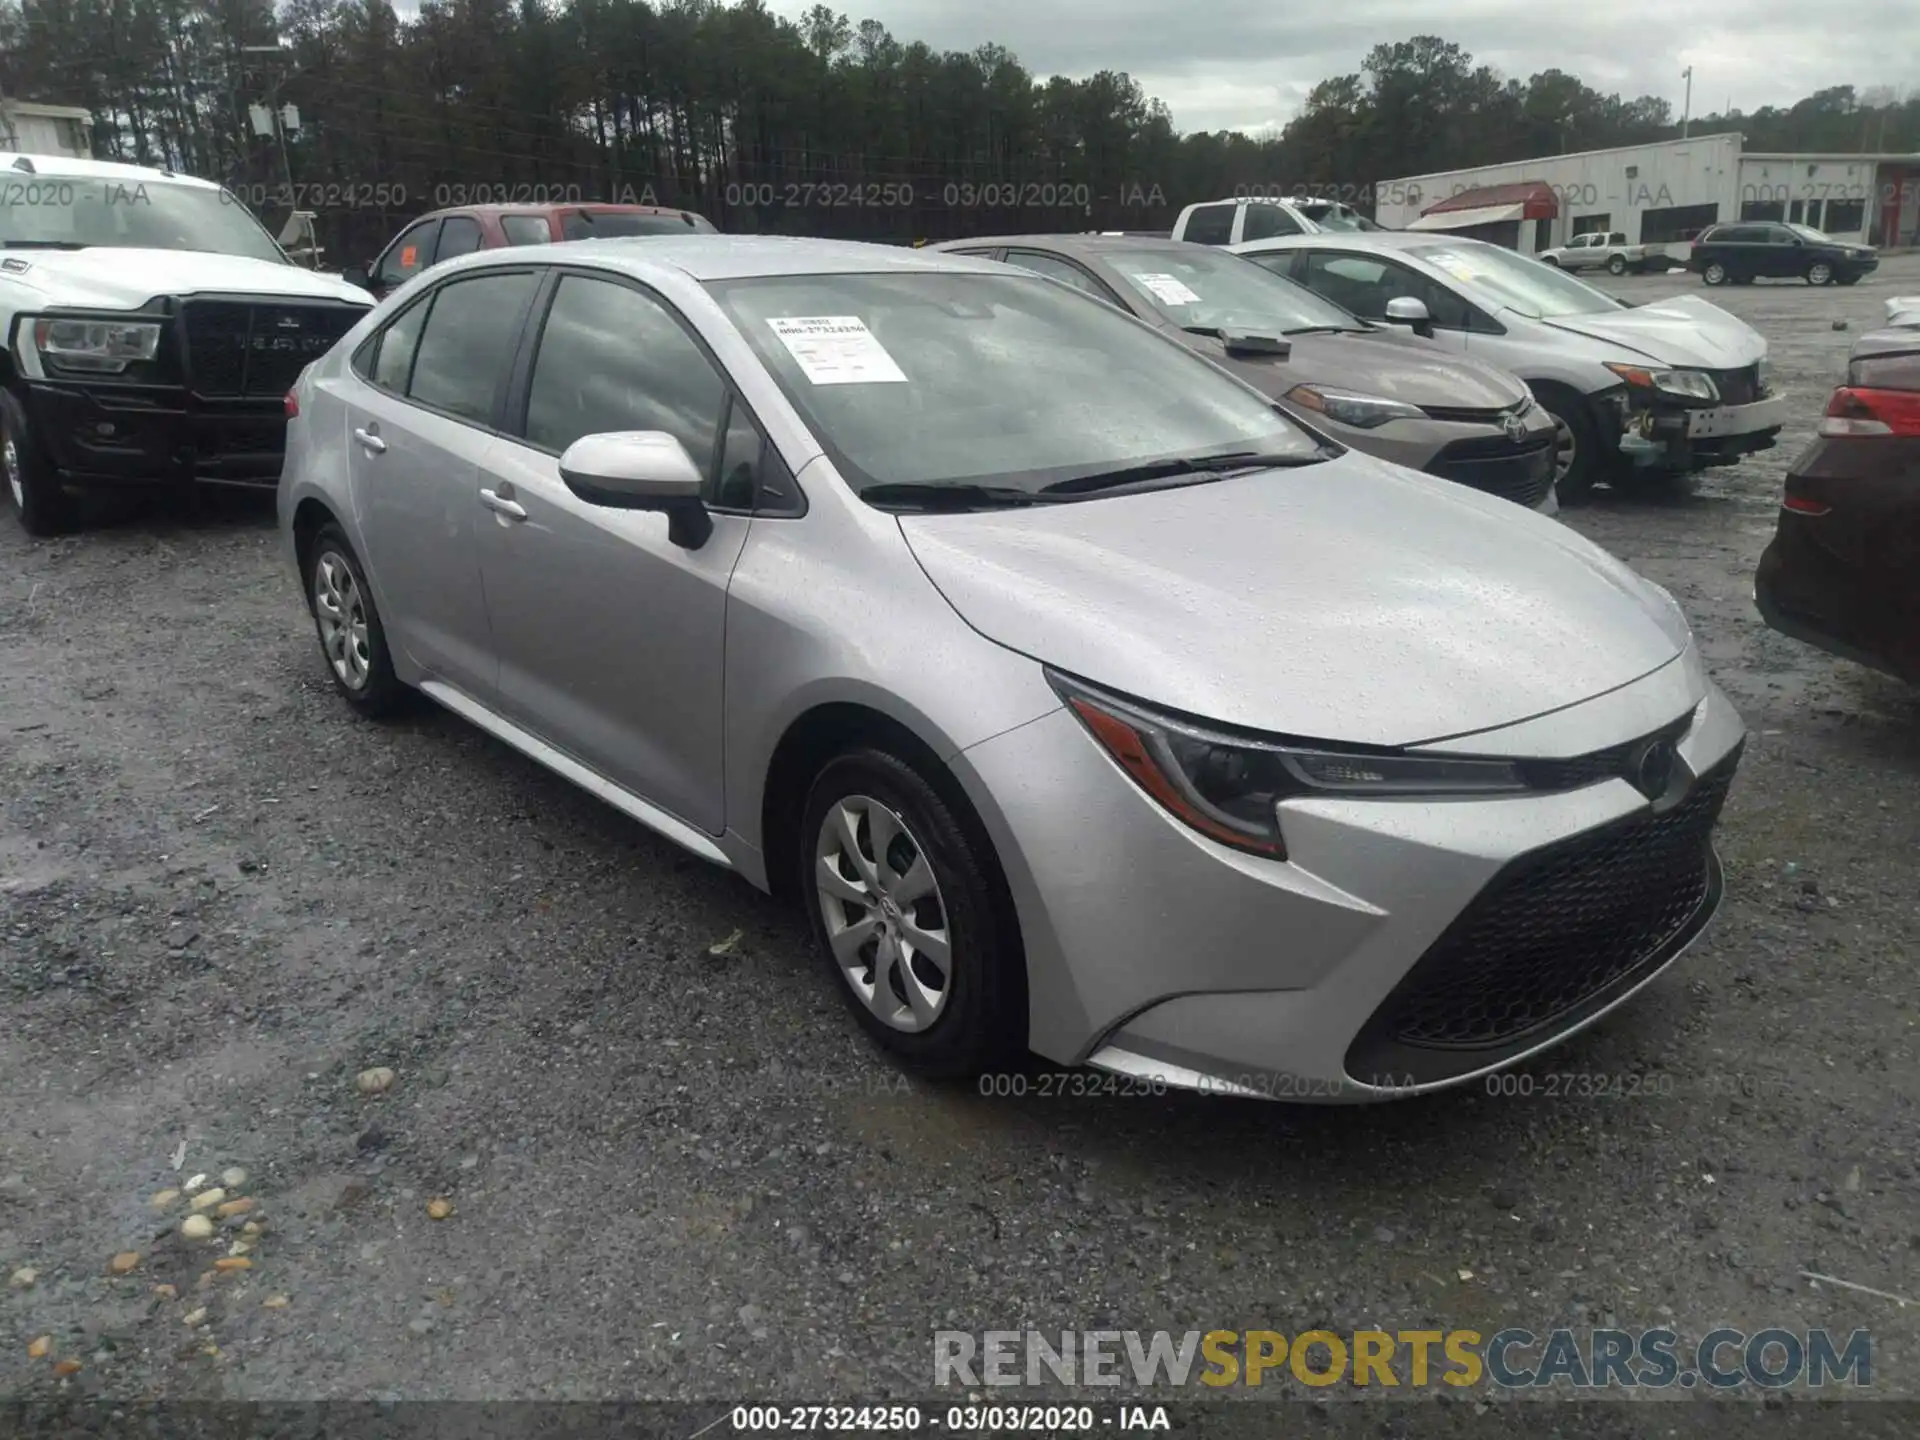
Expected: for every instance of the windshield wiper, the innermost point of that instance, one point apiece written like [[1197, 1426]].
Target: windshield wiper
[[1323, 330], [41, 245], [1206, 467], [926, 495]]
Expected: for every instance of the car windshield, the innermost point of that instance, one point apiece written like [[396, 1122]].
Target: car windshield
[[82, 211], [954, 379], [1329, 215], [1807, 232], [1518, 282], [591, 224], [1211, 289]]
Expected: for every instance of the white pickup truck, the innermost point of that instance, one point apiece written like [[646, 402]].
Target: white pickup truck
[[1608, 250]]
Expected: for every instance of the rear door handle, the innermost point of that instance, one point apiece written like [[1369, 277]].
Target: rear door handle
[[370, 440], [502, 506]]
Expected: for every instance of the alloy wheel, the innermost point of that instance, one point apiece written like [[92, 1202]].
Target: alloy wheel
[[885, 920], [1715, 273], [342, 613], [1819, 273], [1566, 449]]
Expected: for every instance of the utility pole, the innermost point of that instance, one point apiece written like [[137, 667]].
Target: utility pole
[[272, 107], [1686, 110]]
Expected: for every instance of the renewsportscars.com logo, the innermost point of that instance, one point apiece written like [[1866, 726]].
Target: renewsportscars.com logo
[[1771, 1359]]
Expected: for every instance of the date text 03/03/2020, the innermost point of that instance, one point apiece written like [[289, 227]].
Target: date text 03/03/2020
[[952, 1419]]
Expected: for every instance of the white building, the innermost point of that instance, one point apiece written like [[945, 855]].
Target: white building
[[27, 127], [1665, 192]]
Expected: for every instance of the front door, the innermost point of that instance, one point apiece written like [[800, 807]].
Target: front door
[[418, 428], [611, 638]]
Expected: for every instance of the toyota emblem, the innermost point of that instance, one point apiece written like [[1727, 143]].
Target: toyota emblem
[[1653, 769], [1515, 427]]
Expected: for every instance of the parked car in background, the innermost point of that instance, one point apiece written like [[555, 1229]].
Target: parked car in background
[[1641, 393], [1372, 387], [1842, 571], [986, 623], [149, 329], [1609, 251], [1750, 250], [445, 234], [1228, 222]]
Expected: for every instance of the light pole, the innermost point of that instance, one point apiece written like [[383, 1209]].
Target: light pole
[[1686, 110]]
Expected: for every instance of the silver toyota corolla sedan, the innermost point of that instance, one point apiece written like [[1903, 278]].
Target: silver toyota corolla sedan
[[1091, 704]]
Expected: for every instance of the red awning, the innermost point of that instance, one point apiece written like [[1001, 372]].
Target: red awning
[[1535, 197]]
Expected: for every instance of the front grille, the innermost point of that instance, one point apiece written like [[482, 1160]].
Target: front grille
[[249, 348], [1738, 387], [1614, 762], [1522, 473], [1555, 933]]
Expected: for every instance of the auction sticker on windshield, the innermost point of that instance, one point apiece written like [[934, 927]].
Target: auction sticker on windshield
[[836, 350], [1169, 289], [1458, 266]]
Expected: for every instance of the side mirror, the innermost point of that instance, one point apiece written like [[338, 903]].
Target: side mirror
[[641, 470], [1245, 346], [357, 275], [1405, 310]]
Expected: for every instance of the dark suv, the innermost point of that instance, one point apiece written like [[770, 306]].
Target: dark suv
[[1768, 249], [447, 233]]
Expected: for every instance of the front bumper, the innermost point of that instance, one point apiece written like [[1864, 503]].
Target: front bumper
[[1696, 438], [1153, 951], [106, 435]]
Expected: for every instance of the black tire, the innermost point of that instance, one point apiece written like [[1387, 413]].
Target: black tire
[[981, 1025], [378, 693], [1571, 411], [1616, 264], [1819, 273], [1550, 260], [1714, 273], [33, 487]]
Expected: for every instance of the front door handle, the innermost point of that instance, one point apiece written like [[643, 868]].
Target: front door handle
[[501, 505], [370, 440]]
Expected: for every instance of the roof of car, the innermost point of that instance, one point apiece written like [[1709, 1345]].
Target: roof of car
[[1358, 240], [70, 165], [1085, 244], [706, 257], [547, 207]]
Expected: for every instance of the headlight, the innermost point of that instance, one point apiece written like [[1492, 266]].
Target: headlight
[[1763, 368], [1350, 407], [1687, 384], [108, 346], [1229, 787]]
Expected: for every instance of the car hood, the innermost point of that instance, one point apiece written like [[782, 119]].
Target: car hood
[[1378, 364], [1352, 600], [1684, 330], [124, 278]]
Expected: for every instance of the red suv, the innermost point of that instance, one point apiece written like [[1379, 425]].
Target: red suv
[[447, 233]]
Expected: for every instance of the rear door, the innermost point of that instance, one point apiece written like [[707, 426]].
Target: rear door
[[419, 426], [611, 637], [459, 235]]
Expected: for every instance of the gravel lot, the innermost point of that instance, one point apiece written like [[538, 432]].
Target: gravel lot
[[676, 1169]]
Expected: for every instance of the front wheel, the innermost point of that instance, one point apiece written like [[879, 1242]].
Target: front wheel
[[1820, 273], [352, 639], [1715, 273], [900, 892], [1576, 455], [43, 505]]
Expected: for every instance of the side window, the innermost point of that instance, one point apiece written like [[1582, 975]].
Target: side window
[[1281, 262], [1354, 283], [411, 253], [742, 449], [526, 229], [1448, 310], [1618, 237], [459, 235], [1210, 225], [1057, 269], [393, 351], [1264, 222], [612, 358], [468, 343]]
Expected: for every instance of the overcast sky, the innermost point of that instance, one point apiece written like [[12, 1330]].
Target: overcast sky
[[1245, 64]]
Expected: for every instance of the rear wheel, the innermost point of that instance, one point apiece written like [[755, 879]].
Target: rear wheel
[[900, 892], [352, 639], [1714, 273], [1820, 273], [43, 506], [1616, 264]]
